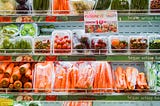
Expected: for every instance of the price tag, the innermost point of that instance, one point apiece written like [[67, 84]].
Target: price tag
[[101, 21]]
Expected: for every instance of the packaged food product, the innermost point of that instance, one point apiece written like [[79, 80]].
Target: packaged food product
[[154, 43], [99, 44], [62, 41], [42, 44], [155, 6], [7, 7], [102, 4], [61, 6], [23, 44], [79, 6], [118, 44], [120, 5], [60, 79], [80, 41], [29, 30], [7, 45], [10, 30], [140, 6], [138, 44], [85, 77], [41, 6], [23, 6], [43, 77]]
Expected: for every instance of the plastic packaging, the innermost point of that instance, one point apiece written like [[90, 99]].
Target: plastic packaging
[[43, 77], [138, 44], [41, 6], [155, 6], [79, 6], [118, 44], [81, 41], [24, 44], [23, 6], [7, 7], [42, 45], [10, 30], [62, 42], [154, 43], [61, 6], [99, 44], [29, 30]]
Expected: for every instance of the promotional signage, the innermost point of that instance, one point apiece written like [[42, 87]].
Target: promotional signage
[[101, 21]]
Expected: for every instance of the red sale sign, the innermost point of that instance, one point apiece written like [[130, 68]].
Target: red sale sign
[[101, 21]]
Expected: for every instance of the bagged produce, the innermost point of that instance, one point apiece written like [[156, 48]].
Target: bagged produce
[[60, 79], [7, 7], [41, 6], [43, 77], [60, 6], [139, 6], [102, 4], [79, 6], [23, 6], [155, 6], [122, 6]]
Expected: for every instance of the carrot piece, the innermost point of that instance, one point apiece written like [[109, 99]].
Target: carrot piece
[[9, 70], [11, 80], [24, 79], [28, 85], [3, 67], [24, 68], [115, 42], [16, 73], [17, 84], [1, 76], [28, 73], [5, 82]]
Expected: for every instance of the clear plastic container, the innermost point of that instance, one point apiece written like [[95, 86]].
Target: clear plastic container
[[81, 41], [138, 44], [41, 6], [155, 6], [79, 6], [24, 44], [62, 42], [154, 43], [118, 44], [42, 45], [7, 8], [99, 44], [29, 30]]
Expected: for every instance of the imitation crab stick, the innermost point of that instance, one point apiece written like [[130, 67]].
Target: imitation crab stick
[[16, 73], [24, 68], [9, 70], [3, 67]]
